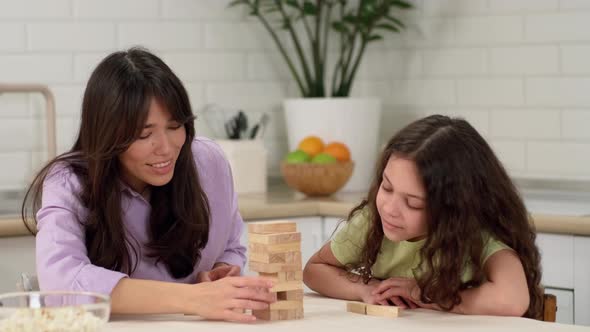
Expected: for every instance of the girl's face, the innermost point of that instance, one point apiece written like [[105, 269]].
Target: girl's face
[[401, 201], [150, 160]]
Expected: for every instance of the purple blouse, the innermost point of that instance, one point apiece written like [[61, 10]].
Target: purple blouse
[[62, 261]]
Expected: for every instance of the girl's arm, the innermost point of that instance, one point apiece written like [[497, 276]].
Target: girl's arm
[[324, 274], [504, 294], [212, 300]]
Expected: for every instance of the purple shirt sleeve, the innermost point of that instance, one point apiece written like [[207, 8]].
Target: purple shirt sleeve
[[235, 252], [62, 261]]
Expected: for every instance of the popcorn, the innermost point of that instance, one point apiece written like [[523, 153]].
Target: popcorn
[[66, 319]]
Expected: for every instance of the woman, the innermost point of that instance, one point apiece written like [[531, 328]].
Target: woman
[[139, 208]]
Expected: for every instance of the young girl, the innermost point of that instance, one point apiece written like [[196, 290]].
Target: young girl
[[443, 227], [139, 208]]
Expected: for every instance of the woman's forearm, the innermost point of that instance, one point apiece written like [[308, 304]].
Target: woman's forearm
[[136, 296]]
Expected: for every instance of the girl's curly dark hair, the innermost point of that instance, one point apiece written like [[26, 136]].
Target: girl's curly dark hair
[[467, 191]]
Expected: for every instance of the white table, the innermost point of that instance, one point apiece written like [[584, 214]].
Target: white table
[[323, 314]]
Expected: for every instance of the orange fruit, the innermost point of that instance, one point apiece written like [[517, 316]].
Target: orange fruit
[[311, 145], [338, 150]]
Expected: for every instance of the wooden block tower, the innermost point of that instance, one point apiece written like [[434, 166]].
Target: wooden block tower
[[275, 253]]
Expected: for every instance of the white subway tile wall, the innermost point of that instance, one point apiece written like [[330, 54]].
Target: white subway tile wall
[[518, 70]]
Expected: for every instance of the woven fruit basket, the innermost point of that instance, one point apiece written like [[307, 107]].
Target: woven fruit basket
[[317, 179]]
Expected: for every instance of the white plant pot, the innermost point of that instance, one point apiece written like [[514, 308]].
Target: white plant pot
[[352, 121]]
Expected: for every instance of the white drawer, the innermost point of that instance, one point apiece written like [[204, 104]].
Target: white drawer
[[557, 260], [17, 255]]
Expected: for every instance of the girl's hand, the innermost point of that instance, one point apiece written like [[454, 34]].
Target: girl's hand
[[217, 299], [219, 271], [403, 292], [366, 293]]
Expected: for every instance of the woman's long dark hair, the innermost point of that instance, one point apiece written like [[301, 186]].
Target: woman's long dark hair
[[467, 192], [114, 111]]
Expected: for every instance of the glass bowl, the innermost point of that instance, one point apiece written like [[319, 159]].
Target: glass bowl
[[53, 311]]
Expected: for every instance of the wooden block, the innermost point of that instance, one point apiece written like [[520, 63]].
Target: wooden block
[[273, 267], [286, 305], [274, 238], [283, 276], [266, 314], [289, 257], [287, 286], [272, 227], [357, 307], [383, 310], [291, 295], [290, 314], [273, 248]]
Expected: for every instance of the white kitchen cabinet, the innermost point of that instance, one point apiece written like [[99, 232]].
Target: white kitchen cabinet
[[566, 274], [557, 260], [17, 255], [330, 225], [582, 280], [565, 304]]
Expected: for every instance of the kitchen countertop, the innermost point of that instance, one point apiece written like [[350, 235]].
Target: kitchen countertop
[[553, 211], [326, 314]]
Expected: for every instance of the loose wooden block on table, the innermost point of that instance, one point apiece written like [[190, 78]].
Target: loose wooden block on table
[[382, 310], [272, 227], [373, 309], [357, 307]]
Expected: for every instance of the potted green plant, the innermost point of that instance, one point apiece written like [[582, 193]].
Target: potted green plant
[[319, 33]]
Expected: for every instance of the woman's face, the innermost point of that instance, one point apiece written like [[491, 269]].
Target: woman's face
[[150, 160], [401, 201]]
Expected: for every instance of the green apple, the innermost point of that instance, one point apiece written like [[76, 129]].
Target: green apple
[[297, 157], [323, 158]]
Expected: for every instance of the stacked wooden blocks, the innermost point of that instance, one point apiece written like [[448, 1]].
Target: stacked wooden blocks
[[275, 253]]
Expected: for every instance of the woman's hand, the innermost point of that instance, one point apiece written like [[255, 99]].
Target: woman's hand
[[217, 299], [403, 292], [219, 271]]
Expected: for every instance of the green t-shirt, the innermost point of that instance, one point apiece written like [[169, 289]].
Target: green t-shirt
[[395, 259]]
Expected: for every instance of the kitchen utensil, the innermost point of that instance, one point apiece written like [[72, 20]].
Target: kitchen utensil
[[236, 125]]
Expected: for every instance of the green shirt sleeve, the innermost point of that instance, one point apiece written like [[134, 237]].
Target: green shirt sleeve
[[348, 243], [491, 247]]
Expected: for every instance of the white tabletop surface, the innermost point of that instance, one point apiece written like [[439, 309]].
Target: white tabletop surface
[[323, 314]]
